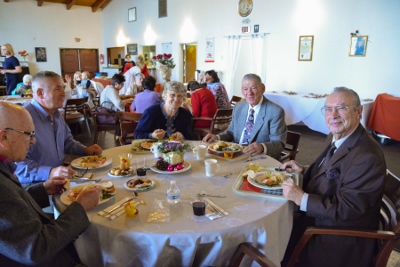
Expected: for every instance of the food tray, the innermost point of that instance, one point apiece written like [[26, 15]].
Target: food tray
[[136, 147], [243, 187]]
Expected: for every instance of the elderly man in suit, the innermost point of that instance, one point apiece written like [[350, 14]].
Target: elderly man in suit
[[257, 122], [28, 237], [342, 189]]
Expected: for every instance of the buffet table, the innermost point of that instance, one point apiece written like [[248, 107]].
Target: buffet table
[[187, 240], [299, 108]]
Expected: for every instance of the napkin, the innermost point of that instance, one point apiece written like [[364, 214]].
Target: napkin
[[116, 213], [211, 214]]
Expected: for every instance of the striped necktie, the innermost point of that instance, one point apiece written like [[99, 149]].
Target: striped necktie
[[249, 127]]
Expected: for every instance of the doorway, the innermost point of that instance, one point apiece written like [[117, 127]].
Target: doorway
[[73, 60], [189, 61]]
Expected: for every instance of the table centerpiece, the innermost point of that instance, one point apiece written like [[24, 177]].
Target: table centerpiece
[[173, 153]]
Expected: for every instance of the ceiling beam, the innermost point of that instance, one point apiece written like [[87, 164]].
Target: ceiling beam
[[99, 4], [70, 3], [5, 1], [40, 2]]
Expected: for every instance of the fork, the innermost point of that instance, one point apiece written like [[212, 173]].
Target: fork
[[227, 175]]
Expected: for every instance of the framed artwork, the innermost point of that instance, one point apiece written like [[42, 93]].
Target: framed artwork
[[306, 47], [132, 14], [358, 46], [41, 54], [131, 49], [245, 29], [256, 28]]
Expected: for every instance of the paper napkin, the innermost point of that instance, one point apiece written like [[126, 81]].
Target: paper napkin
[[209, 211], [116, 213]]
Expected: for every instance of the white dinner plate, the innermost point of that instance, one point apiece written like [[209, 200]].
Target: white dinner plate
[[131, 173], [140, 189], [76, 163], [252, 181], [186, 167], [64, 196]]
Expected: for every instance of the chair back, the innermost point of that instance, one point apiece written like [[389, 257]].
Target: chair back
[[253, 253], [74, 105], [221, 120], [99, 126], [234, 100], [291, 146], [128, 122]]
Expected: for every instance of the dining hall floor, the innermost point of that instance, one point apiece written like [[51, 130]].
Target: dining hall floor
[[311, 145]]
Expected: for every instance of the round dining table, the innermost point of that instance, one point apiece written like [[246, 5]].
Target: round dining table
[[186, 239]]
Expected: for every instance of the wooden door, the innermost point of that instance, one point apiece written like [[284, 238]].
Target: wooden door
[[189, 61], [73, 60], [69, 61], [89, 61]]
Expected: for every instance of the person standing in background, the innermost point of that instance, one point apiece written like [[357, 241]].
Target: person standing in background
[[142, 65], [11, 68], [128, 63]]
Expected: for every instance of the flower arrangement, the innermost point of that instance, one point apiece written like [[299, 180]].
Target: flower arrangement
[[172, 146], [165, 59], [23, 53], [172, 155], [356, 33]]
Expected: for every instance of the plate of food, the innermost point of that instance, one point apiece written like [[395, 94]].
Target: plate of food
[[117, 172], [139, 184], [142, 145], [184, 167], [267, 179], [107, 192], [225, 150], [91, 162]]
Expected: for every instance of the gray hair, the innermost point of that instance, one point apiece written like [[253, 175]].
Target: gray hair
[[40, 78], [355, 99], [176, 87], [27, 78], [253, 77]]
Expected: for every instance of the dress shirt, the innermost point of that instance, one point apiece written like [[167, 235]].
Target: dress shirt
[[53, 141]]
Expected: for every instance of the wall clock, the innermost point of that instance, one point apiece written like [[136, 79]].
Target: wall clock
[[245, 7]]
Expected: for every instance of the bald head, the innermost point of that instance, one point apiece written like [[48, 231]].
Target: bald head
[[13, 115]]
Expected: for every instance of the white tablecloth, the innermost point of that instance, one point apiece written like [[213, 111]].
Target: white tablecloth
[[308, 110], [16, 99], [186, 240]]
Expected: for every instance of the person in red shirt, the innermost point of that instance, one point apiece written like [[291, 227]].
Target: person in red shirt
[[129, 63]]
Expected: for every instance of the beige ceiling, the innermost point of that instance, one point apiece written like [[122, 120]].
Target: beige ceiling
[[94, 4]]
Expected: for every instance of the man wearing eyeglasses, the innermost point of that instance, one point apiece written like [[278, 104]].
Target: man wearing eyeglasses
[[28, 236], [53, 137], [342, 189], [257, 123]]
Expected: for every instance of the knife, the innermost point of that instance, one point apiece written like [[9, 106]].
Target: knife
[[119, 206]]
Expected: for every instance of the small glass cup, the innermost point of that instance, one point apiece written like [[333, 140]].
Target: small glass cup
[[141, 168], [199, 208], [125, 160], [254, 166], [228, 154]]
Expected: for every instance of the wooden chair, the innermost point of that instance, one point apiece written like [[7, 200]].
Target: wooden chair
[[390, 225], [219, 123], [99, 127], [128, 122], [77, 110], [247, 249], [291, 147], [234, 100]]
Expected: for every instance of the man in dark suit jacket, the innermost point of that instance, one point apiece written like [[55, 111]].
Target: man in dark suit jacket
[[268, 135], [28, 237], [343, 190]]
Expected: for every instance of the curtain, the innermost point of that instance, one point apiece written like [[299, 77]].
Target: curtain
[[234, 42], [259, 54]]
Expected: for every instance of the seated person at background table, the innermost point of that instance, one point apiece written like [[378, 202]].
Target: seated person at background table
[[128, 63], [267, 133], [24, 88], [136, 87], [342, 189], [148, 97], [53, 137], [110, 97], [28, 236], [168, 119], [203, 103], [218, 89], [86, 89], [129, 79]]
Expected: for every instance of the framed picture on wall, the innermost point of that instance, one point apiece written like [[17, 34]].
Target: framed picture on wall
[[306, 47], [132, 14], [358, 46], [245, 29], [41, 54], [131, 49]]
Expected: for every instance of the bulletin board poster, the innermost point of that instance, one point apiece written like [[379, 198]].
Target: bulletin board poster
[[210, 54]]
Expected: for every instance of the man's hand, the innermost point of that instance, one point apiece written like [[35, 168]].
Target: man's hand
[[292, 192], [158, 134], [93, 150], [293, 166], [61, 171], [210, 138], [253, 149], [89, 198], [54, 185]]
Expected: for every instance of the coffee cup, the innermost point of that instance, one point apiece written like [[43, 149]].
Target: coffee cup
[[155, 151], [211, 167], [199, 151]]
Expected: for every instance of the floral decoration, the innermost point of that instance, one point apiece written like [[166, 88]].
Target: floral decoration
[[165, 59], [356, 33], [172, 146], [332, 173], [23, 53]]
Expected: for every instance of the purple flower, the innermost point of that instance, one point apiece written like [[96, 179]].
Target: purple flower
[[332, 173]]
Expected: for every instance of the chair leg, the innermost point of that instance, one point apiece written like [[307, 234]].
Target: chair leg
[[96, 136]]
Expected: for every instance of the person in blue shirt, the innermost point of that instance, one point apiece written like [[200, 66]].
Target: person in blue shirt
[[24, 86], [11, 68], [53, 137]]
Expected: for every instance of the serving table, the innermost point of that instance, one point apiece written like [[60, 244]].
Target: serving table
[[16, 99], [303, 108], [187, 240]]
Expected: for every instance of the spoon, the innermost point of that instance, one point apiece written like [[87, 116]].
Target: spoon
[[136, 195]]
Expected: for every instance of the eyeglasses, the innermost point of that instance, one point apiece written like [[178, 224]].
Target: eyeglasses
[[30, 134], [342, 110], [177, 96]]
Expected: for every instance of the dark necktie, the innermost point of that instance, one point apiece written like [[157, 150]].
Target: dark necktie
[[329, 154], [249, 127]]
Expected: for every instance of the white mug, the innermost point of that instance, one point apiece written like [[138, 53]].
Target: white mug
[[154, 150], [200, 151], [211, 167]]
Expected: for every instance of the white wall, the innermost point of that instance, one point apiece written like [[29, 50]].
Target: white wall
[[25, 26], [330, 21]]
